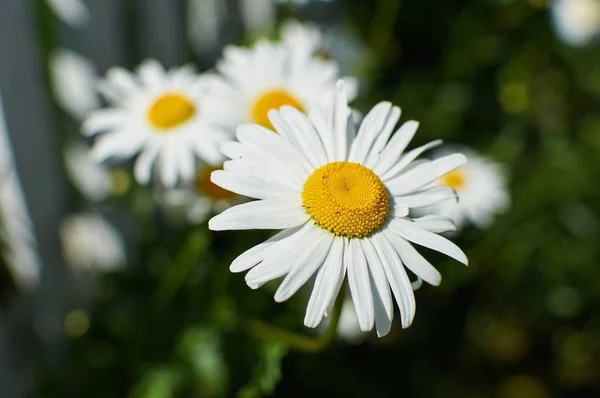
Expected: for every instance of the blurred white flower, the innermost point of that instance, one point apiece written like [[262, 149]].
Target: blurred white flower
[[270, 75], [92, 179], [72, 12], [337, 43], [74, 80], [200, 198], [257, 15], [168, 116], [306, 38], [20, 248], [481, 188], [90, 243], [203, 21], [576, 22]]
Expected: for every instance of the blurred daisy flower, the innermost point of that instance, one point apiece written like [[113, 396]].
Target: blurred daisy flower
[[90, 243], [338, 43], [93, 180], [72, 12], [576, 22], [270, 75], [74, 80], [481, 189], [342, 201], [168, 116], [200, 197]]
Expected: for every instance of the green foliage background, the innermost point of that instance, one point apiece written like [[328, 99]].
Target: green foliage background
[[523, 320]]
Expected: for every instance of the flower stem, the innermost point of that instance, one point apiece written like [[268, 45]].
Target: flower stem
[[264, 331], [176, 274]]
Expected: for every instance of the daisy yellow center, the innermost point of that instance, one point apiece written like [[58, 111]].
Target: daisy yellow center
[[455, 179], [170, 110], [206, 187], [273, 99], [346, 199]]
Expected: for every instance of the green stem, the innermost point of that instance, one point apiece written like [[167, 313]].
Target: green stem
[[264, 331], [177, 273]]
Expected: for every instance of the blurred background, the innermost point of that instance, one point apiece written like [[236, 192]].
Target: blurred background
[[103, 293]]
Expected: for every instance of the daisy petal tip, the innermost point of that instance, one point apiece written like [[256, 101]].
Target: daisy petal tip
[[213, 224], [340, 86]]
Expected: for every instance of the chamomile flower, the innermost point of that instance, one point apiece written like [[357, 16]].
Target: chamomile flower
[[342, 202], [74, 79], [72, 12], [576, 22], [481, 189], [168, 116], [304, 38], [200, 198], [270, 75], [93, 180], [90, 243]]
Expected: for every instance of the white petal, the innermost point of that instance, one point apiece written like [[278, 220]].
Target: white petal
[[435, 223], [360, 286], [256, 254], [402, 164], [424, 174], [427, 197], [409, 231], [340, 122], [260, 214], [382, 297], [414, 261], [101, 120], [119, 143], [168, 164], [144, 162], [326, 283], [386, 131], [396, 146], [122, 81], [282, 256], [303, 133], [369, 130], [151, 73], [263, 141], [265, 171], [248, 186], [306, 265], [396, 275]]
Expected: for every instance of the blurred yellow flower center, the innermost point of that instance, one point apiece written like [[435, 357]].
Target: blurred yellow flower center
[[455, 179], [273, 99], [170, 110], [206, 187], [346, 199]]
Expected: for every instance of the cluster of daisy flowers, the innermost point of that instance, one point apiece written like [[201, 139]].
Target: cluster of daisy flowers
[[272, 123]]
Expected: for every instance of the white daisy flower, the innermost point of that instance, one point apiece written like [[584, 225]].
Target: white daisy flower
[[269, 76], [74, 80], [304, 37], [168, 116], [576, 22], [93, 180], [257, 15], [72, 12], [481, 189], [204, 19], [342, 201], [200, 198], [90, 243]]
